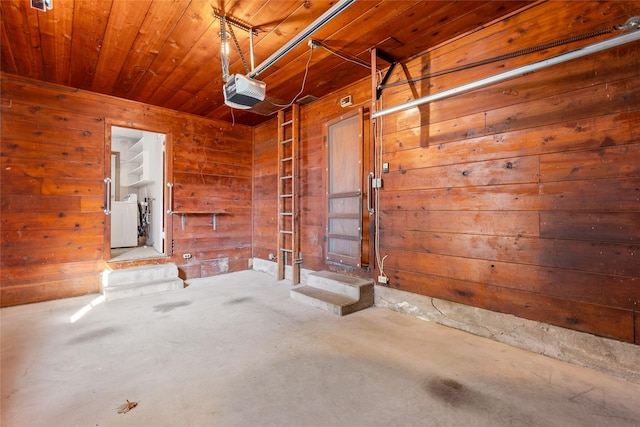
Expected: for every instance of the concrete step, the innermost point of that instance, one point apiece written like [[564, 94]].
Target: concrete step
[[335, 293], [142, 280]]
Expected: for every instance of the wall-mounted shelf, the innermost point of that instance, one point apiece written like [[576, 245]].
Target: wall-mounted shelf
[[214, 216]]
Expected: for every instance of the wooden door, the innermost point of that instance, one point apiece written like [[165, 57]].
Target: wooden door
[[344, 138]]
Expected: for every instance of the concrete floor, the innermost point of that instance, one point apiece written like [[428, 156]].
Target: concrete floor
[[235, 350]]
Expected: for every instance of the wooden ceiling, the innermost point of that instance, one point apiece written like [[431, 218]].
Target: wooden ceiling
[[167, 52]]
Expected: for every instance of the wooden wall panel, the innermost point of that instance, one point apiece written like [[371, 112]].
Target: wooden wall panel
[[521, 197], [311, 162], [571, 259], [265, 190], [622, 227], [53, 151], [597, 319]]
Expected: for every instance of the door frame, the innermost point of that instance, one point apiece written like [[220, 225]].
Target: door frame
[[365, 261], [167, 174]]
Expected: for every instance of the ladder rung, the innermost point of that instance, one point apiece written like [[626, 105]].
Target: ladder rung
[[286, 213], [286, 232], [286, 177], [286, 141], [286, 195], [286, 250], [287, 123], [287, 159]]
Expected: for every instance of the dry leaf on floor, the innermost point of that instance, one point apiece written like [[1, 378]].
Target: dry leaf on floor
[[126, 407]]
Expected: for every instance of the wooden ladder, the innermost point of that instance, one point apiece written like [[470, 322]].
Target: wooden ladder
[[288, 209]]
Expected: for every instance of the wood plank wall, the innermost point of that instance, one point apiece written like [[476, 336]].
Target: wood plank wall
[[522, 197], [311, 164], [53, 152]]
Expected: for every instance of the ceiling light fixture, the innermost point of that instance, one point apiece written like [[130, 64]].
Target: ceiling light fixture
[[224, 43]]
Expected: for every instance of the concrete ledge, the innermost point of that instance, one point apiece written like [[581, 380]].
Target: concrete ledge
[[144, 273], [271, 268], [141, 280], [602, 354], [112, 293]]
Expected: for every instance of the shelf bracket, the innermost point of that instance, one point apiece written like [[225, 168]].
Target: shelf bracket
[[385, 57]]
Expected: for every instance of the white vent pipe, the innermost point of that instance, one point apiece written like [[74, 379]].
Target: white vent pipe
[[338, 8], [516, 72]]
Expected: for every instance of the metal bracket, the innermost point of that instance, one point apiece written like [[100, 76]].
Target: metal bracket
[[632, 23], [236, 23], [393, 63]]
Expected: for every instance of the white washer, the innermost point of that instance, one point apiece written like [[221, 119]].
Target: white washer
[[124, 224]]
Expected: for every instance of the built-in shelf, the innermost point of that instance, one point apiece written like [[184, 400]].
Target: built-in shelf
[[138, 165]]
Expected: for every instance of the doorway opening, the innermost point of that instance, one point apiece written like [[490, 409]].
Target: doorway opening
[[137, 194]]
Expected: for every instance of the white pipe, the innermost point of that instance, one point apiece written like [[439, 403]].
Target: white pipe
[[338, 8], [516, 72]]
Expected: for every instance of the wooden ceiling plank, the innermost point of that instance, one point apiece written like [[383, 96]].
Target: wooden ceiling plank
[[195, 21], [287, 18], [33, 32], [7, 59], [207, 98], [89, 24], [468, 20], [20, 22], [425, 21], [56, 26], [125, 20], [197, 68], [160, 20]]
